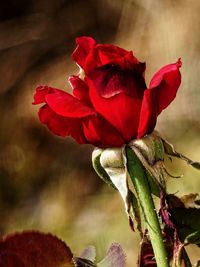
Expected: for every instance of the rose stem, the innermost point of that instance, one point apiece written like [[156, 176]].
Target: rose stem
[[140, 182]]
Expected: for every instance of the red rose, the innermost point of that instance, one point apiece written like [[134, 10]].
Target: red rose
[[111, 105]]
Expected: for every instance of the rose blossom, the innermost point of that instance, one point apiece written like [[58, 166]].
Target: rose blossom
[[111, 105]]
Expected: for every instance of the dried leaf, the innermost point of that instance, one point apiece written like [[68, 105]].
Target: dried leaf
[[187, 222], [177, 254], [113, 161], [175, 231], [164, 212], [146, 256], [115, 257], [169, 150], [197, 264], [185, 214], [174, 201], [96, 155], [154, 185], [151, 147], [136, 212], [28, 249], [150, 152], [191, 201]]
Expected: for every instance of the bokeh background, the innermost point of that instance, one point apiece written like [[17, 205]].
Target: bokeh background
[[47, 183]]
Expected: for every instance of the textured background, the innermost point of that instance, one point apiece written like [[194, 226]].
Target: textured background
[[47, 183]]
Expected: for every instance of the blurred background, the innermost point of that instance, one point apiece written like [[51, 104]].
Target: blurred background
[[47, 183]]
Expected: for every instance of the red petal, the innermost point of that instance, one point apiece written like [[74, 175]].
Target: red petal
[[80, 89], [62, 126], [121, 111], [100, 133], [111, 54], [148, 115], [102, 55], [92, 129], [66, 105], [41, 92], [84, 46], [166, 83], [112, 80]]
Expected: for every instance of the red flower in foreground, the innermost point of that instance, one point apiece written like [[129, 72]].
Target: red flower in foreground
[[111, 105]]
